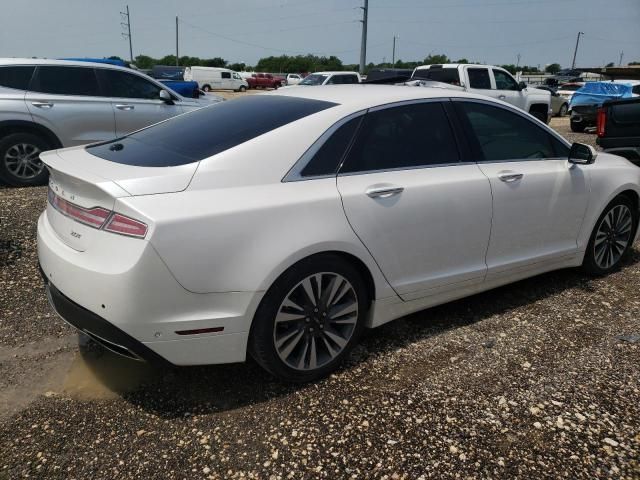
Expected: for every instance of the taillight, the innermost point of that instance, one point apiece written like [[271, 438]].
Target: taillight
[[602, 121], [94, 217], [98, 217], [126, 226]]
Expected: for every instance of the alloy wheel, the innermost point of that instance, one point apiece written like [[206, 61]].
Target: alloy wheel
[[613, 236], [22, 161], [315, 321]]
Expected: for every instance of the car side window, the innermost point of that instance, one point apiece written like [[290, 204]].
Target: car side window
[[409, 136], [329, 156], [17, 77], [504, 135], [226, 74], [479, 78], [65, 80], [504, 81], [127, 85], [335, 80]]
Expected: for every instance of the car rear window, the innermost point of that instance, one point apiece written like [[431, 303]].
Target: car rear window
[[206, 132], [17, 77], [445, 75]]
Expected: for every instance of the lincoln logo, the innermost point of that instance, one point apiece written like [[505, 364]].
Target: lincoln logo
[[75, 234]]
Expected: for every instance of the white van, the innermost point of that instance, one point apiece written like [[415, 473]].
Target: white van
[[212, 78]]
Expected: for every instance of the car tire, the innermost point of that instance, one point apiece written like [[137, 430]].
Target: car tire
[[206, 88], [20, 164], [293, 341], [564, 108], [242, 88], [275, 86], [612, 237], [577, 127]]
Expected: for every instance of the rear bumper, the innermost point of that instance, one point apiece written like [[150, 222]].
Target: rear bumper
[[125, 295]]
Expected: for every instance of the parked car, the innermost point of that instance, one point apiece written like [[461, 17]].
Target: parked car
[[384, 76], [265, 80], [184, 88], [47, 104], [365, 204], [566, 90], [559, 104], [294, 78], [212, 78], [618, 128], [564, 76], [491, 81], [331, 78], [167, 72], [585, 101]]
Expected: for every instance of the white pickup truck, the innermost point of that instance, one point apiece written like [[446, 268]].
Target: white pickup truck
[[490, 81]]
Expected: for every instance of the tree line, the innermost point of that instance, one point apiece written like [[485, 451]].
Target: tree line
[[315, 63]]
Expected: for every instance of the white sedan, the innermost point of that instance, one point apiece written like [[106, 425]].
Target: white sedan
[[301, 217]]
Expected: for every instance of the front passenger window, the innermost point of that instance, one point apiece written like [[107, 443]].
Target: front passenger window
[[127, 85], [504, 135], [504, 81]]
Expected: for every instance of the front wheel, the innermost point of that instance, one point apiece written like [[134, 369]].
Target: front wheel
[[612, 237], [242, 88], [310, 319], [577, 127], [20, 163]]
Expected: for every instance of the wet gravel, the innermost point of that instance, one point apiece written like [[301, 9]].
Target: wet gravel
[[540, 379]]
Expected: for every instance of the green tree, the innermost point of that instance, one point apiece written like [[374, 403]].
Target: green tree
[[511, 68], [462, 60], [436, 59], [144, 61], [238, 67], [610, 64], [553, 68], [633, 63]]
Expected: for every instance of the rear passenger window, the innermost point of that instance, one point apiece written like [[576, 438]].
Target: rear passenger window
[[409, 136], [127, 85], [479, 78], [329, 156], [17, 77], [66, 81], [505, 135]]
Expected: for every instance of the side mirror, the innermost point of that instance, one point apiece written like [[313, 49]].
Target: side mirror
[[581, 154], [522, 85], [166, 97]]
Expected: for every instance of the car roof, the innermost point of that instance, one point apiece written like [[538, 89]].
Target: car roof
[[360, 96], [452, 65], [335, 72], [69, 63]]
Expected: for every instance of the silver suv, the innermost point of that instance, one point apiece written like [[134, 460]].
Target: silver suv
[[47, 104]]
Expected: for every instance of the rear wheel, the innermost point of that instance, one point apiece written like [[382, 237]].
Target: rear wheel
[[206, 88], [577, 127], [20, 163], [564, 108], [612, 237], [310, 319]]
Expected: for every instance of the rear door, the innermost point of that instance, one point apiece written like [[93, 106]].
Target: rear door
[[479, 81], [135, 100], [424, 215], [67, 100]]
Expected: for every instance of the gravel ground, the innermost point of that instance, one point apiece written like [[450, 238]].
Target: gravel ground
[[540, 379]]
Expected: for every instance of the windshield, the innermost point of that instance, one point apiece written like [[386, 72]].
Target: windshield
[[314, 79], [445, 75], [570, 88], [206, 132]]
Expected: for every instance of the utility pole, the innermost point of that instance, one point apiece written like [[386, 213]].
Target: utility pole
[[177, 54], [363, 46], [127, 25], [518, 62], [393, 61], [620, 61], [575, 52]]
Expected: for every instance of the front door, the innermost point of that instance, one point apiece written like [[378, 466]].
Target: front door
[[539, 198], [424, 216], [135, 100]]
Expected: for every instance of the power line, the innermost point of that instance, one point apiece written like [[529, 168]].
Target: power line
[[127, 34]]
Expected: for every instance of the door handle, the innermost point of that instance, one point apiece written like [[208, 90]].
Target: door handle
[[510, 176], [502, 97], [42, 104], [125, 106], [384, 192]]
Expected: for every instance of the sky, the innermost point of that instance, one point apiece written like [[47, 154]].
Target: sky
[[487, 31]]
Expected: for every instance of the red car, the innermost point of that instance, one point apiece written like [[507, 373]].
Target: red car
[[265, 80]]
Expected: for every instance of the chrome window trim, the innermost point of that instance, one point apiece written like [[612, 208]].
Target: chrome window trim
[[400, 169], [294, 173]]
